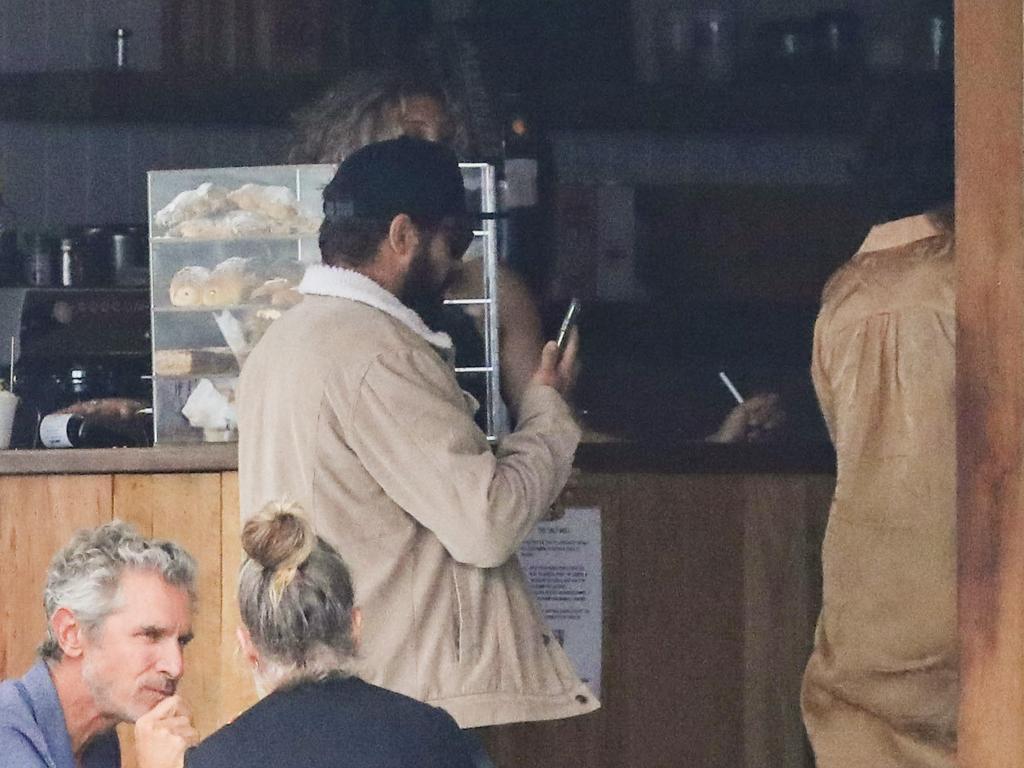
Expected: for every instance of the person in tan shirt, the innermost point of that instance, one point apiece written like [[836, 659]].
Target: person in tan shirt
[[881, 686], [880, 689]]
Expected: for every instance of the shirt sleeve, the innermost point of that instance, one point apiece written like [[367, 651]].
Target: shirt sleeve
[[412, 432]]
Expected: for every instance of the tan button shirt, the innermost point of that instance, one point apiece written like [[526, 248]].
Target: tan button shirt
[[881, 685]]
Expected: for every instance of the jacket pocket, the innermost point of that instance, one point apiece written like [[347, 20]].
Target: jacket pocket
[[465, 614]]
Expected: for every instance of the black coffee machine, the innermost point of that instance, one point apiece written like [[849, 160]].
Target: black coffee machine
[[74, 345]]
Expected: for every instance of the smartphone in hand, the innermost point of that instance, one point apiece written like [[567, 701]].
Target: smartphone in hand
[[572, 316]]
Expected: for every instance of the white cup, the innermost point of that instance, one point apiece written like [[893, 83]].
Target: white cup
[[8, 405]]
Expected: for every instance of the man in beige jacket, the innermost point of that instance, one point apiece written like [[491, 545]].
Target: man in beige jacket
[[349, 405]]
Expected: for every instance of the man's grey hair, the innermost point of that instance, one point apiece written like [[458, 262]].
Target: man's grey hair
[[85, 576]]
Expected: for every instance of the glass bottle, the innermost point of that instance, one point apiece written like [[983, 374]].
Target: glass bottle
[[71, 430]]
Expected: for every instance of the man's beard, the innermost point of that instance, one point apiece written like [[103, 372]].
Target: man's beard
[[421, 293], [102, 693]]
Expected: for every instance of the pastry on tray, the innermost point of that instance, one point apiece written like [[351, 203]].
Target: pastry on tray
[[187, 286], [208, 361]]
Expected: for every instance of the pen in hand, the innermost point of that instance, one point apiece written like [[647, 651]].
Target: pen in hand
[[732, 389]]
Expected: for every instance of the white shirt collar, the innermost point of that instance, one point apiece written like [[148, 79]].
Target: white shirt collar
[[324, 280], [900, 232]]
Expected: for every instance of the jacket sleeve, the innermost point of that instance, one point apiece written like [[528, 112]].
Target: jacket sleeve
[[413, 433]]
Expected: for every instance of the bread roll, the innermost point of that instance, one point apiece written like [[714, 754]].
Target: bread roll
[[229, 283], [277, 202], [204, 200], [107, 407], [201, 227], [187, 286]]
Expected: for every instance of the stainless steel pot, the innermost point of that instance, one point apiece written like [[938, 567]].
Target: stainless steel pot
[[108, 252]]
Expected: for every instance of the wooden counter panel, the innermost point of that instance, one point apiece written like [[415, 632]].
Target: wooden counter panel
[[711, 591], [678, 634], [784, 524], [597, 454], [710, 595], [37, 517], [236, 678], [207, 457]]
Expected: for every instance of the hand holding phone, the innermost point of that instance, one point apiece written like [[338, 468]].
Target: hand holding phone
[[568, 323], [559, 366]]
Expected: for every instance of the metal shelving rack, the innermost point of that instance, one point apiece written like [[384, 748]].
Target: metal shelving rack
[[487, 234]]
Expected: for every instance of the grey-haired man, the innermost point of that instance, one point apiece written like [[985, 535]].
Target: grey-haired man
[[119, 612]]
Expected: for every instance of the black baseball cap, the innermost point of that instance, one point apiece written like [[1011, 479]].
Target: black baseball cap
[[407, 175]]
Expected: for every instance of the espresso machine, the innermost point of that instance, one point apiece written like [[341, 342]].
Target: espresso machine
[[74, 345]]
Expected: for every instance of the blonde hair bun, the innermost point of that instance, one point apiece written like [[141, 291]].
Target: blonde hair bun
[[280, 538]]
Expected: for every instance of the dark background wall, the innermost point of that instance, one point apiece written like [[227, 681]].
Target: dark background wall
[[694, 192]]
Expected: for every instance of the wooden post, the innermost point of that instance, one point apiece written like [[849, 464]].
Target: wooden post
[[990, 380]]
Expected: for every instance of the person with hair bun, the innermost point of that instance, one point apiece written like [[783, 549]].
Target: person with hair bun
[[300, 635]]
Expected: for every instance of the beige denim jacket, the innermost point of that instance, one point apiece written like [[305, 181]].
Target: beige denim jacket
[[349, 406]]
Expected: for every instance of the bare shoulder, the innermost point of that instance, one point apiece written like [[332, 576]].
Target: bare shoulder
[[514, 295], [514, 291], [468, 281]]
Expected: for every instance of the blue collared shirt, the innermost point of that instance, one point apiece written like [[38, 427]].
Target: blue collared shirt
[[33, 733]]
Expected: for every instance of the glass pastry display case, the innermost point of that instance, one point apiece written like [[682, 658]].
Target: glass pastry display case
[[228, 247]]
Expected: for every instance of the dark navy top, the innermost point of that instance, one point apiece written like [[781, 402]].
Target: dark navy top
[[341, 722]]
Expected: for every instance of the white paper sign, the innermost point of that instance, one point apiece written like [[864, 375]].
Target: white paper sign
[[562, 562]]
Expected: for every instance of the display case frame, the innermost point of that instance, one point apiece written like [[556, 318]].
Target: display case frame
[[195, 340]]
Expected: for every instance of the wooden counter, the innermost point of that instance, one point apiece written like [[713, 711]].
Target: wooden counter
[[710, 589], [593, 455], [86, 461]]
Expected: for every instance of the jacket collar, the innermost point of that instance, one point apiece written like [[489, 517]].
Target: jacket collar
[[900, 232], [341, 283], [41, 698]]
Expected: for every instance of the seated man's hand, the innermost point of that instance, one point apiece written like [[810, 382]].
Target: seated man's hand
[[559, 369], [754, 420], [163, 734]]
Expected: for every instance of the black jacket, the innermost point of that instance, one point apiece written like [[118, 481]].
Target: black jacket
[[336, 723]]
